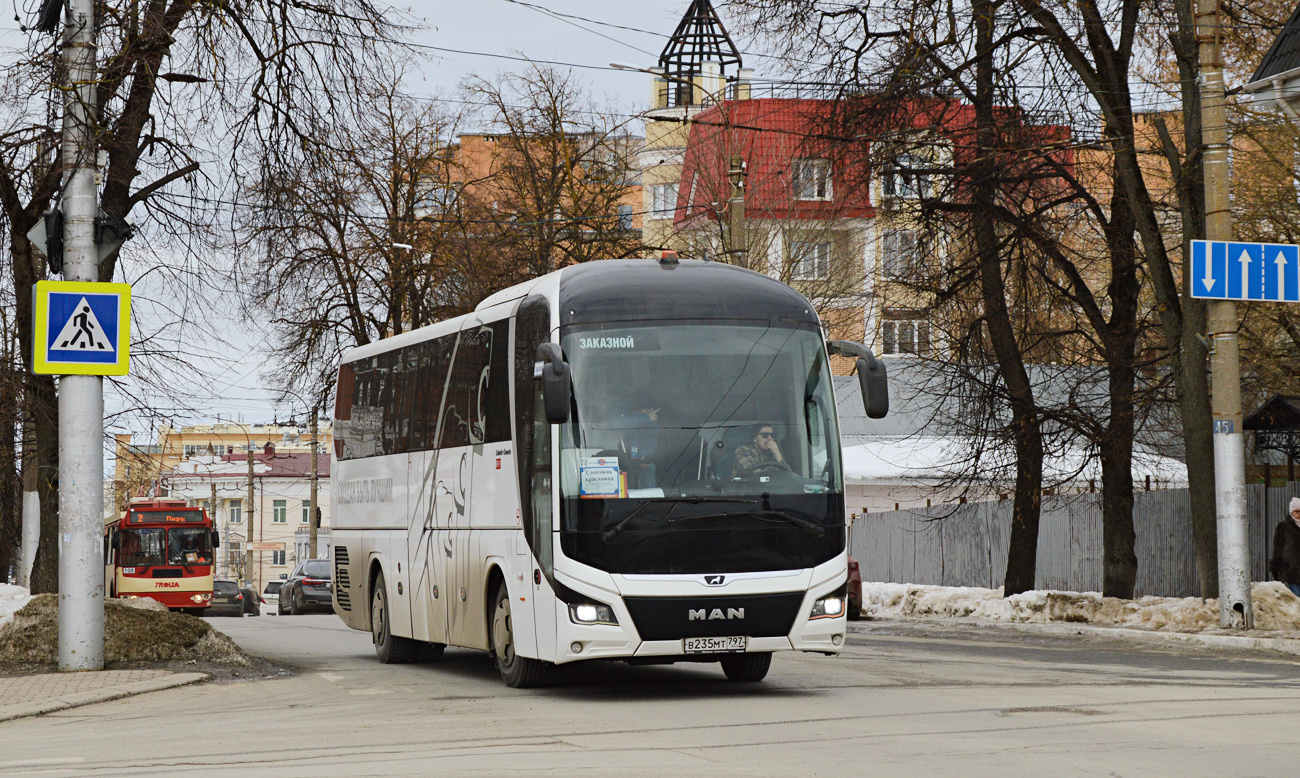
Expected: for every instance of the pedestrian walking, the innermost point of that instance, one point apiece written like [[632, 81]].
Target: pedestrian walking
[[1285, 564]]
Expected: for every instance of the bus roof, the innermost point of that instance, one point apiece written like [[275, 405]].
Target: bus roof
[[614, 290]]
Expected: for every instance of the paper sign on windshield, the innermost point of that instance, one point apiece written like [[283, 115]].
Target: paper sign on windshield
[[599, 478]]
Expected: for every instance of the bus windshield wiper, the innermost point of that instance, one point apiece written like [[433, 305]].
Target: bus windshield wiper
[[613, 531], [767, 513]]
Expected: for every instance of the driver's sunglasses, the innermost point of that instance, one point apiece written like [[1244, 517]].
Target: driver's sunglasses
[[765, 434]]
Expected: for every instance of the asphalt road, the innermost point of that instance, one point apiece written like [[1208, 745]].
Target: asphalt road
[[899, 702]]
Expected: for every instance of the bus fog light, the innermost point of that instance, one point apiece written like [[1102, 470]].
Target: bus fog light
[[828, 607], [837, 639], [576, 647], [592, 613]]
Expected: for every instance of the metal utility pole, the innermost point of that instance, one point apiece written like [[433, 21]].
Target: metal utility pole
[[248, 521], [212, 505], [315, 508], [1225, 365], [81, 397]]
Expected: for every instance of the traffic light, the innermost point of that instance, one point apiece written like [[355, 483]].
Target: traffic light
[[54, 240]]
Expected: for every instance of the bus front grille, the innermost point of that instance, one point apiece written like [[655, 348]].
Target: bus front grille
[[342, 581], [755, 615]]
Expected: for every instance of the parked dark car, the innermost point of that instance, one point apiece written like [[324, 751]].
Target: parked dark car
[[227, 600], [308, 588], [252, 602], [853, 600]]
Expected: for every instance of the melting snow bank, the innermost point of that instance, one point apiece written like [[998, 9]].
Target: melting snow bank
[[12, 599], [1276, 609]]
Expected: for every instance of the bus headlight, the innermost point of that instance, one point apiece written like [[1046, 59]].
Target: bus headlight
[[200, 597], [592, 613], [828, 607]]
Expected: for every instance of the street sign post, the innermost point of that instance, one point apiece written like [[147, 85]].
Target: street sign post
[[81, 328], [1231, 270]]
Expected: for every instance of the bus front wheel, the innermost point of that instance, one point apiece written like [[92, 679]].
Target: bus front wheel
[[746, 668], [391, 649], [518, 672]]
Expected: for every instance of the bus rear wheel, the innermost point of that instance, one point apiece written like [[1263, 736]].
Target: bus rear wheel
[[746, 668], [518, 672], [391, 649]]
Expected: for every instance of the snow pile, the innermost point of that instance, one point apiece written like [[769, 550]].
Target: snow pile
[[1276, 609], [12, 599], [135, 632]]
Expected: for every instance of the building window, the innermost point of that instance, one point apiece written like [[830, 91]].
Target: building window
[[811, 179], [907, 178], [279, 511], [306, 511], [625, 217], [812, 261], [193, 450], [898, 253], [663, 199], [277, 558], [905, 332], [236, 511]]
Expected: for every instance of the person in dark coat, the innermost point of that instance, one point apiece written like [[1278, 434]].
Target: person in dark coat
[[1285, 564]]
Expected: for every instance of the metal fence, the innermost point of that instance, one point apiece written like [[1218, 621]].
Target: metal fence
[[966, 545]]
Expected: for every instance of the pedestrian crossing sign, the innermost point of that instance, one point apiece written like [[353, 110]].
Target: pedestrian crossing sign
[[81, 328]]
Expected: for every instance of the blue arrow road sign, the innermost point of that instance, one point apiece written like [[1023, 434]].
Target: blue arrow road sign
[[1228, 270]]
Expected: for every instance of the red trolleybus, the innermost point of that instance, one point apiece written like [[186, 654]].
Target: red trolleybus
[[161, 548]]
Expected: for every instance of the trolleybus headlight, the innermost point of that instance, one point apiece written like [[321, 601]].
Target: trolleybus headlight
[[200, 597], [592, 613], [828, 607]]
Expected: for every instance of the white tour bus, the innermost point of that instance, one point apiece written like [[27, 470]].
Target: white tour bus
[[624, 459]]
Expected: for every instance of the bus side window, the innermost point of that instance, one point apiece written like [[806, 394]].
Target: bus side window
[[343, 394], [495, 397], [533, 433], [432, 360]]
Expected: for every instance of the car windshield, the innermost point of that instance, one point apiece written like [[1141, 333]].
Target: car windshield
[[272, 588], [189, 546], [317, 568], [142, 547], [692, 410]]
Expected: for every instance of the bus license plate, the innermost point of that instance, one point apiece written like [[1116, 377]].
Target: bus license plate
[[729, 645]]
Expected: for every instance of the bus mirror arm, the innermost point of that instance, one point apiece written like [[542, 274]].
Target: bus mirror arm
[[872, 376], [557, 388]]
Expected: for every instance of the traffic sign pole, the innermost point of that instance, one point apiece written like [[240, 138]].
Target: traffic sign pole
[[1225, 365], [81, 397]]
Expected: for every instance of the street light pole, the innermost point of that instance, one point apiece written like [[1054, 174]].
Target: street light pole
[[81, 397], [1235, 608], [312, 528]]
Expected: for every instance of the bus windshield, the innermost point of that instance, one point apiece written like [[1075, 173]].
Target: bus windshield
[[143, 547], [189, 546], [700, 427]]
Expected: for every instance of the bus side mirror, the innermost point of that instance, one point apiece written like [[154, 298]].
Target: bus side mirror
[[216, 539], [872, 378], [557, 386]]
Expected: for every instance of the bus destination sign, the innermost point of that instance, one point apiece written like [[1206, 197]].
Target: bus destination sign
[[166, 517]]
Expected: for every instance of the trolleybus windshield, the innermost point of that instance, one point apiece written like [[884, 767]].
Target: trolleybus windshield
[[702, 445]]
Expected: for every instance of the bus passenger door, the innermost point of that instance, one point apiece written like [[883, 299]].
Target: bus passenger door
[[426, 562]]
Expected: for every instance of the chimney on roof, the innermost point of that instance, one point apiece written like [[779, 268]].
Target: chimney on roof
[[269, 449]]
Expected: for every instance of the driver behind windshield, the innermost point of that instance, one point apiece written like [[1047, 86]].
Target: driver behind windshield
[[765, 449]]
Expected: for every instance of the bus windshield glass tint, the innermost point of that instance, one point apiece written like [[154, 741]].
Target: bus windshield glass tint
[[143, 547], [698, 410]]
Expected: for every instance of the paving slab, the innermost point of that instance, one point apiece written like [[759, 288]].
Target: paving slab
[[33, 695]]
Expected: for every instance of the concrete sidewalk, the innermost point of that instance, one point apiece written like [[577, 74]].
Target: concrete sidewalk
[[1266, 642], [33, 695]]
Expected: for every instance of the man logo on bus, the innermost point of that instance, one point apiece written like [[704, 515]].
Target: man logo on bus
[[698, 614]]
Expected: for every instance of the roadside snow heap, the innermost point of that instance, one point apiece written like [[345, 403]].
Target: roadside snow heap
[[135, 631], [1276, 609]]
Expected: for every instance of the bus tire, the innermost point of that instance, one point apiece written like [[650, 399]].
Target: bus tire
[[391, 649], [518, 672], [746, 668]]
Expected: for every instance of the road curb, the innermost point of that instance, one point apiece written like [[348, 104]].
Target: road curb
[[67, 701], [1280, 645]]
